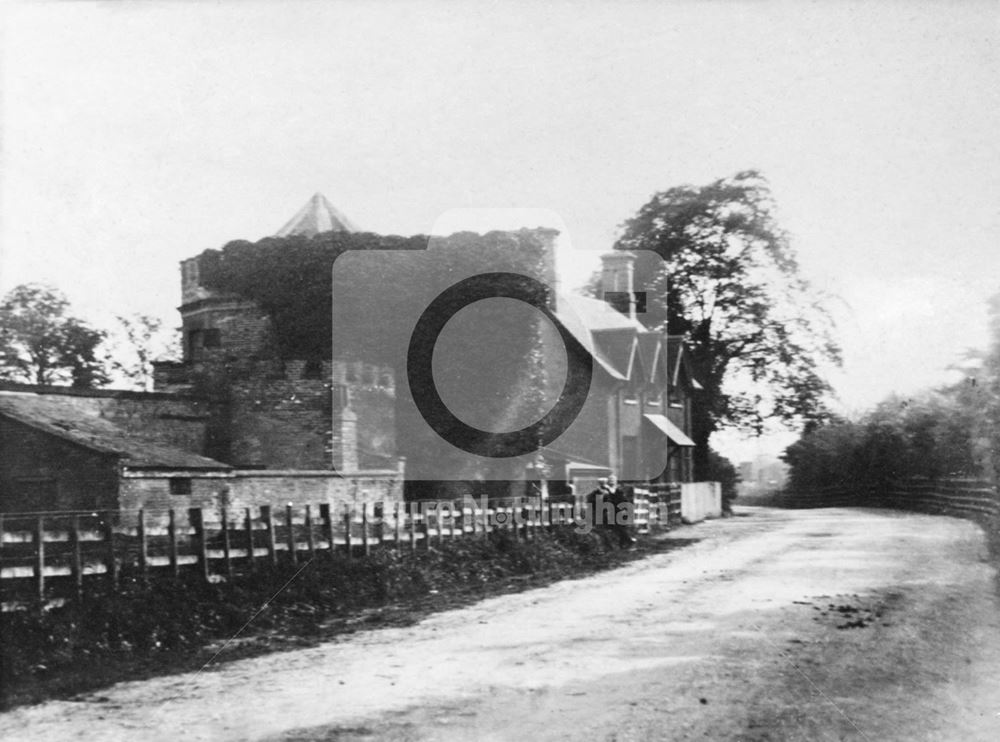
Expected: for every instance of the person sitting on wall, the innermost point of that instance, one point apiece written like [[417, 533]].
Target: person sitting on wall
[[604, 505], [597, 496]]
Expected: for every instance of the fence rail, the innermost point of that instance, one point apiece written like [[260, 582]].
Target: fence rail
[[960, 497], [59, 555]]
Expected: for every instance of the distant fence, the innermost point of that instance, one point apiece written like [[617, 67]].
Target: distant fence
[[832, 496], [58, 555], [967, 498]]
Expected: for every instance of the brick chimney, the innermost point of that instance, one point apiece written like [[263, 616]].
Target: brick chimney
[[618, 281]]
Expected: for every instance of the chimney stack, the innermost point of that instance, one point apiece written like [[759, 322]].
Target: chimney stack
[[618, 281]]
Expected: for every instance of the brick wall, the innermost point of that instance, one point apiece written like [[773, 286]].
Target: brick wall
[[236, 490], [281, 418], [243, 330], [252, 489], [150, 490], [280, 423]]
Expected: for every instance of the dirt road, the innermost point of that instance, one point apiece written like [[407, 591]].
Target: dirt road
[[777, 625]]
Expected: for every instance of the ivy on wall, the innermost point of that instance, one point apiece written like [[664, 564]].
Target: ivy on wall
[[356, 296]]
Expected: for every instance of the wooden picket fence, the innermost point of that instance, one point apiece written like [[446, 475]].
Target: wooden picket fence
[[52, 556]]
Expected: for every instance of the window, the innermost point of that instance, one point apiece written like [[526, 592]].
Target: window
[[654, 397], [194, 340], [630, 395], [180, 485], [313, 370]]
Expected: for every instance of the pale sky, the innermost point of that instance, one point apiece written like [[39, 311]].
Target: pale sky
[[138, 134]]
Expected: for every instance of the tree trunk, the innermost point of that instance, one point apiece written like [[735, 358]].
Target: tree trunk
[[702, 427]]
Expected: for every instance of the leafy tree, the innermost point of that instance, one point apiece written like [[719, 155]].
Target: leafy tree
[[985, 391], [953, 431], [41, 343], [933, 434], [729, 281], [142, 339]]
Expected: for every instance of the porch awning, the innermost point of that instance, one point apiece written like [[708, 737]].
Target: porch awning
[[670, 430]]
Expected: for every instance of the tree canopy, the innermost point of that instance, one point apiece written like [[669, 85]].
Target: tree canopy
[[730, 282], [137, 341], [951, 431], [41, 343]]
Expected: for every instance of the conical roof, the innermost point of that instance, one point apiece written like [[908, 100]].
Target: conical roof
[[318, 215]]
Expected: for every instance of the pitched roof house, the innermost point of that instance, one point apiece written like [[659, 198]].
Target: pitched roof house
[[637, 423]]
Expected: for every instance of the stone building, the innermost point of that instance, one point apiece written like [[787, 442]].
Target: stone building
[[231, 423], [281, 413], [237, 422]]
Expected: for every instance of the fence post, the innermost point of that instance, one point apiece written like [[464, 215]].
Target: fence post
[[310, 539], [77, 566], [397, 525], [109, 539], [347, 529], [248, 524], [413, 526], [226, 555], [172, 533], [290, 536], [196, 518], [40, 560], [378, 513], [265, 515], [143, 543], [327, 517], [364, 528], [425, 520]]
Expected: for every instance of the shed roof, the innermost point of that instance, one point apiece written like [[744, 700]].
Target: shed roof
[[58, 416]]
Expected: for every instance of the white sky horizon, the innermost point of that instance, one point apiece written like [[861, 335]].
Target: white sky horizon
[[135, 135]]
